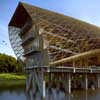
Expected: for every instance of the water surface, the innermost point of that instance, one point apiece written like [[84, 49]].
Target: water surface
[[19, 94]]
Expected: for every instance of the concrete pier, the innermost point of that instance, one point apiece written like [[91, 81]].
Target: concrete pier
[[86, 82], [44, 89], [69, 83]]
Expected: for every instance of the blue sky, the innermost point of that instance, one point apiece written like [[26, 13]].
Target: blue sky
[[86, 10]]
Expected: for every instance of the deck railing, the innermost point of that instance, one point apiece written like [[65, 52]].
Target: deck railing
[[65, 69]]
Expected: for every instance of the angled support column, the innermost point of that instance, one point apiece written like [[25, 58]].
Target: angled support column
[[28, 85], [34, 85]]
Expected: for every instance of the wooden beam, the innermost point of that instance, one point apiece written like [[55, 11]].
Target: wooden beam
[[76, 57]]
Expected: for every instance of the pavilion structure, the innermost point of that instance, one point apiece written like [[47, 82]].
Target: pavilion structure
[[54, 47]]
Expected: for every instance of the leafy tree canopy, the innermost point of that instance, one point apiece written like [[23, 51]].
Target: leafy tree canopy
[[9, 64]]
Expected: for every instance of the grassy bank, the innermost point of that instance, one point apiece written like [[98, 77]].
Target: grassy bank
[[11, 76], [11, 81]]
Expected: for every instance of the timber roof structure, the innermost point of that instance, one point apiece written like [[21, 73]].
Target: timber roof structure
[[67, 38]]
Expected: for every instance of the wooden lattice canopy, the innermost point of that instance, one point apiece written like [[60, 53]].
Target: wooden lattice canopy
[[67, 40]]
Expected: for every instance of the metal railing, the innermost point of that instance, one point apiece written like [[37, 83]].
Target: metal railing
[[65, 69]]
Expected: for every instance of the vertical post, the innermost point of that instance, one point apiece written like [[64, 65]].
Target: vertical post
[[74, 66], [49, 87], [44, 90], [86, 85], [86, 82], [49, 76], [69, 83], [98, 77], [44, 87]]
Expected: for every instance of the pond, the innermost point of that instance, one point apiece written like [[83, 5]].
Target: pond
[[12, 95], [19, 94]]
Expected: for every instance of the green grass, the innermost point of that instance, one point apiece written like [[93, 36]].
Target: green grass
[[11, 81], [11, 76]]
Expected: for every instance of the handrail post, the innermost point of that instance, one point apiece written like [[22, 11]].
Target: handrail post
[[74, 70]]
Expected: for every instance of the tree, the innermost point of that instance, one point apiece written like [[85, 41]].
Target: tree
[[9, 64]]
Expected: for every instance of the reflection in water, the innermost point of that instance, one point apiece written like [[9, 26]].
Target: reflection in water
[[54, 94], [12, 95]]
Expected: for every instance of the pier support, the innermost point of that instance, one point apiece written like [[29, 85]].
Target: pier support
[[34, 86], [98, 79], [44, 90], [86, 82], [28, 85], [43, 85], [69, 83]]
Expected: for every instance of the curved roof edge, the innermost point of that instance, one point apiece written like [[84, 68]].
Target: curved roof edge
[[19, 16]]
